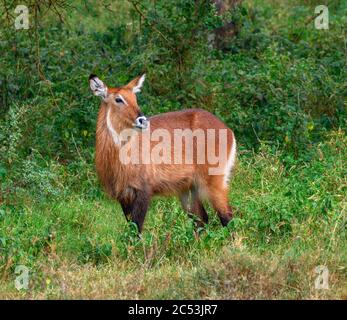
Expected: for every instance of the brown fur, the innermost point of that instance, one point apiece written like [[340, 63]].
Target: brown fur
[[137, 183]]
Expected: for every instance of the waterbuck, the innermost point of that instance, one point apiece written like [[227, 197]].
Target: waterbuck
[[188, 153]]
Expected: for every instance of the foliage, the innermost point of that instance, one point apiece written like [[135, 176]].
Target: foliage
[[290, 218], [279, 83]]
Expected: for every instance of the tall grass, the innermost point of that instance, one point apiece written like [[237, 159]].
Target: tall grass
[[287, 222], [279, 84]]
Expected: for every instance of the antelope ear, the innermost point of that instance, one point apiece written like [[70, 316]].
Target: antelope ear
[[136, 84], [97, 86]]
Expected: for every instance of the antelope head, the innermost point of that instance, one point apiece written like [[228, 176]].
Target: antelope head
[[123, 111]]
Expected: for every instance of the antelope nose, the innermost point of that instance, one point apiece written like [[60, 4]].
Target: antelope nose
[[141, 122]]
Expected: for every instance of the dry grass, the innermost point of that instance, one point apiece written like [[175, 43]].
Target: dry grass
[[233, 274]]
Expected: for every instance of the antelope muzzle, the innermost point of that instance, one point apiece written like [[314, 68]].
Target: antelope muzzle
[[141, 122]]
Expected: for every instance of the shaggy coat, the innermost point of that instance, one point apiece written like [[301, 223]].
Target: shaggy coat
[[134, 184]]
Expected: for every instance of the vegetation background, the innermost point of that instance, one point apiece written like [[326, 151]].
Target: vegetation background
[[279, 83]]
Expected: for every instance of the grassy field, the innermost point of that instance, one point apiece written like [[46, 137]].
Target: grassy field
[[281, 86], [287, 222]]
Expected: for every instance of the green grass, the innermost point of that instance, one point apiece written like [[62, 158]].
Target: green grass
[[288, 220], [280, 84]]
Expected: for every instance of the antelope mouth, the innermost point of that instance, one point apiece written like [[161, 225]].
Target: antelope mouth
[[141, 123]]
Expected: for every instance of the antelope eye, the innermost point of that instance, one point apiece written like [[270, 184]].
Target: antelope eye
[[119, 100]]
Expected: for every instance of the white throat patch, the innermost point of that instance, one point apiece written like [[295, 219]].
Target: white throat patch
[[113, 132]]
